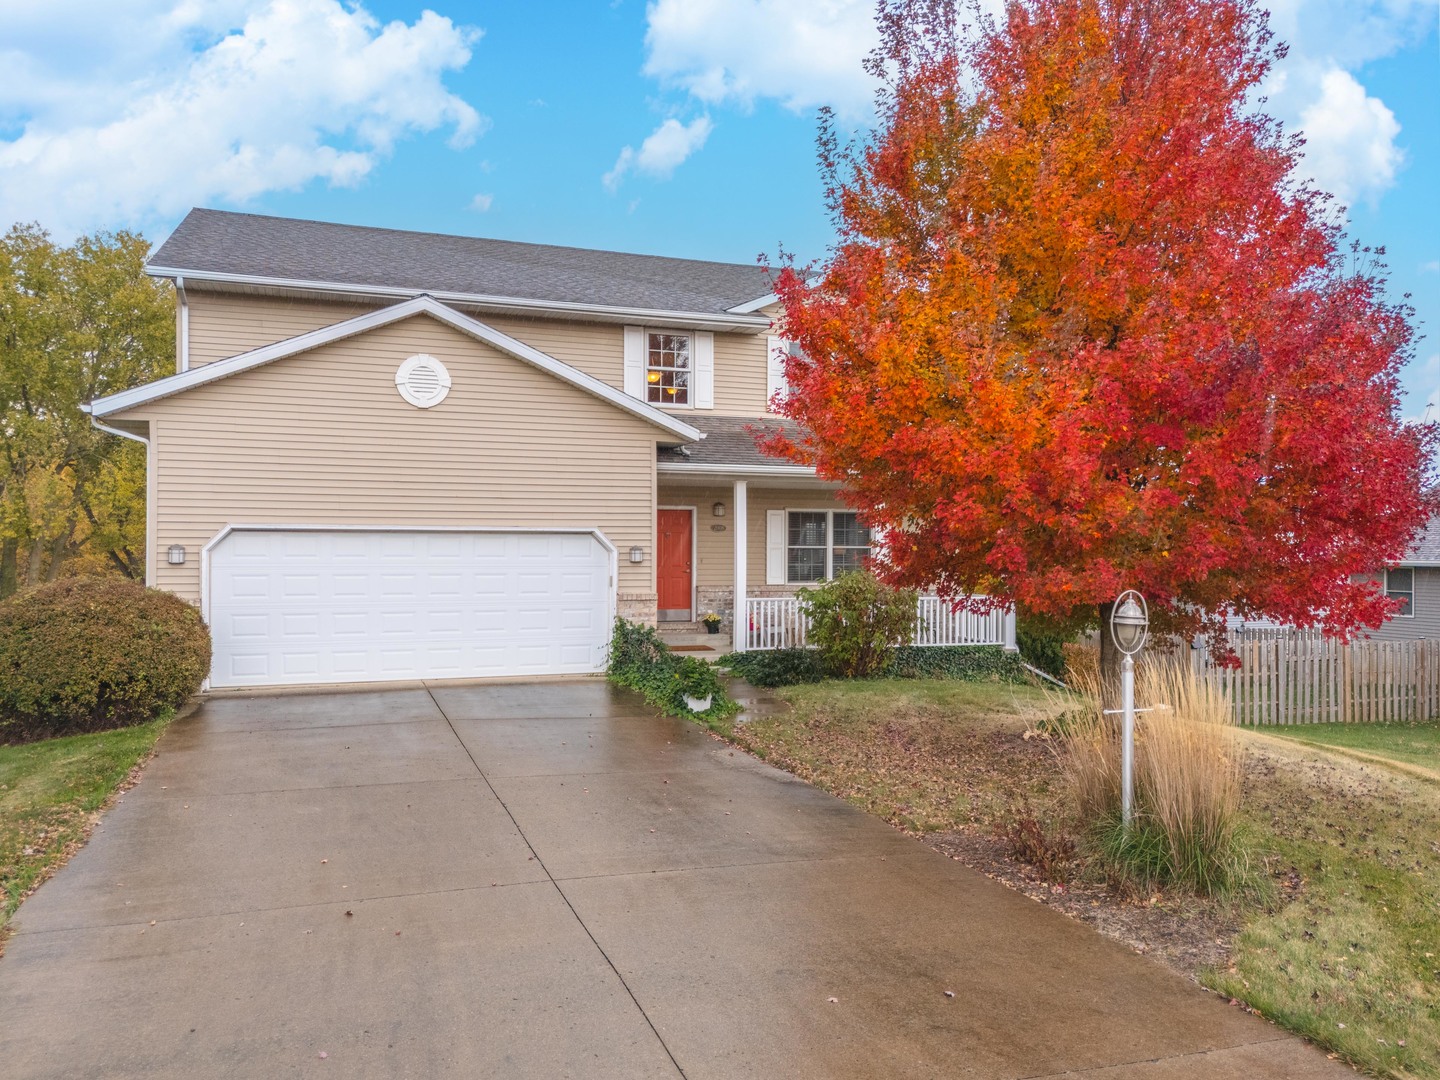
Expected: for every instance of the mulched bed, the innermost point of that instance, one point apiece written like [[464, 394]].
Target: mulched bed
[[1185, 934]]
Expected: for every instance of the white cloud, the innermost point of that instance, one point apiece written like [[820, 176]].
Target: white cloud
[[662, 151], [736, 52], [151, 107], [802, 55], [1350, 139], [482, 202]]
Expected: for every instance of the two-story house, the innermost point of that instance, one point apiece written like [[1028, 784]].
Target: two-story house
[[394, 455]]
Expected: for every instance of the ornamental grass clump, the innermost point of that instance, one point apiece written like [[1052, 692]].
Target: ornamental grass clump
[[1187, 782]]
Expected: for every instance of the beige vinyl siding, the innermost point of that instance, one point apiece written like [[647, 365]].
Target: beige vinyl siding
[[324, 438], [740, 374], [715, 551], [227, 324]]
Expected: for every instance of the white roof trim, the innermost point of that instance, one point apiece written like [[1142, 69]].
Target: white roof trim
[[751, 306], [734, 470], [735, 319], [420, 305]]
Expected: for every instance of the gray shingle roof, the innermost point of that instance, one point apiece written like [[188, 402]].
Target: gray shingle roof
[[1425, 550], [218, 241], [729, 440]]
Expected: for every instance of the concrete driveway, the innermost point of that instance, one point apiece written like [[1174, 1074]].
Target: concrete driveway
[[546, 881]]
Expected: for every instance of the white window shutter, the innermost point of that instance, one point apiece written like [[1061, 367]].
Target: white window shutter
[[774, 547], [635, 361], [774, 367], [704, 370]]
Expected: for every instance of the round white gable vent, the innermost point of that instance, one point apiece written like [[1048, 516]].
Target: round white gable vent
[[423, 381]]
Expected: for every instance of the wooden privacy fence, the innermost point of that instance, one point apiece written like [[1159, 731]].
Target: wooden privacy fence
[[1303, 677]]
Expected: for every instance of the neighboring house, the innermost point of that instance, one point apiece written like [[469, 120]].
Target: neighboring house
[[1415, 581], [394, 455]]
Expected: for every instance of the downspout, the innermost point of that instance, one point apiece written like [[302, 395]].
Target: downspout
[[182, 328]]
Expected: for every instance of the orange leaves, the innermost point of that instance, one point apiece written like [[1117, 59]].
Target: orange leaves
[[1079, 331]]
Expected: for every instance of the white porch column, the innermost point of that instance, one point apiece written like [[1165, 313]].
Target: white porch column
[[1010, 645], [738, 605]]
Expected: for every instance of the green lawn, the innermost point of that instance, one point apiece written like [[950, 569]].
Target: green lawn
[[49, 794], [1352, 957], [1413, 744], [1344, 948]]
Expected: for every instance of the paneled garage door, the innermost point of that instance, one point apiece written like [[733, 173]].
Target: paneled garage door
[[310, 606]]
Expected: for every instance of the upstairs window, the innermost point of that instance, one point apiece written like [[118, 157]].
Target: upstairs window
[[667, 369], [1400, 585]]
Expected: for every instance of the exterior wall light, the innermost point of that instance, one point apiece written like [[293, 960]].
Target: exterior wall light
[[637, 554], [175, 556], [718, 509]]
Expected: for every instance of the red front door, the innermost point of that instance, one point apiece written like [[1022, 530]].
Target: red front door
[[672, 564]]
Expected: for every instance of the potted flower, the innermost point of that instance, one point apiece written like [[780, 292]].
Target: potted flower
[[697, 683], [711, 621]]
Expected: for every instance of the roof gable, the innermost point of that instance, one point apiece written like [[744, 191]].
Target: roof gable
[[254, 249], [420, 305]]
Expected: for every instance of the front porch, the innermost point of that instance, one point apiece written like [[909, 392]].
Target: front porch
[[761, 534]]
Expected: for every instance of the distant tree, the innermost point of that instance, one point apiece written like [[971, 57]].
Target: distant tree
[[76, 323], [1084, 330]]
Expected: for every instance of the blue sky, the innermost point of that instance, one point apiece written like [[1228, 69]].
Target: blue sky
[[682, 127]]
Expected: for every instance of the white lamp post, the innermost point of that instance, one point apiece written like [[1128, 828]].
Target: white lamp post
[[1129, 624]]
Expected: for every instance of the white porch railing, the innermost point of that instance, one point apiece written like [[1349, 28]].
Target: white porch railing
[[776, 622]]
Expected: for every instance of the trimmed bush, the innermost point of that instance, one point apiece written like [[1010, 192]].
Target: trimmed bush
[[856, 621], [641, 661], [966, 663], [89, 654], [777, 667]]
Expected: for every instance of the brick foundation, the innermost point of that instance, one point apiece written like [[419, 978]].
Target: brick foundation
[[637, 607]]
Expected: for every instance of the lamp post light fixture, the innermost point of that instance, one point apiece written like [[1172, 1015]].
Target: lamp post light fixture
[[1129, 626]]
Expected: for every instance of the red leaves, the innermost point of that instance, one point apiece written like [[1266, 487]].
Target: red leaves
[[1081, 332]]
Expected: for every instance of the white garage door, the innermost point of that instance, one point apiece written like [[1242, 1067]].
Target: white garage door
[[290, 607]]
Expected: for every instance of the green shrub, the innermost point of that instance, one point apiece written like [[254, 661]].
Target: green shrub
[[777, 667], [966, 663], [856, 621], [1041, 645], [641, 661], [88, 654]]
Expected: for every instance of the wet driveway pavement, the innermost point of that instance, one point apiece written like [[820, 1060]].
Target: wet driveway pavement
[[545, 880]]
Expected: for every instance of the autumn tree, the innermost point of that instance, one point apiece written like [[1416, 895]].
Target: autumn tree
[[1084, 329], [76, 323]]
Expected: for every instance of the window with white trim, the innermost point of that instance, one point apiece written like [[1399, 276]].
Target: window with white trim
[[1400, 585], [820, 544], [667, 368]]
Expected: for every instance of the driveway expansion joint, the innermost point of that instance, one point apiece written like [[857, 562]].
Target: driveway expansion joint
[[560, 891]]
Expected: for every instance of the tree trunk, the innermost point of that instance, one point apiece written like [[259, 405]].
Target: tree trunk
[[9, 569], [1110, 657], [36, 563]]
